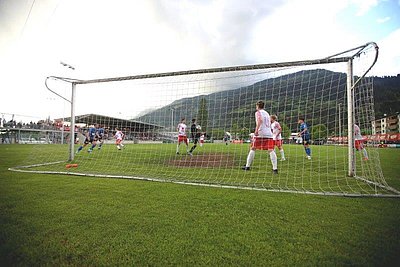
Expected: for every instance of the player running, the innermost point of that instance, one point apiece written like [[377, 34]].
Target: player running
[[227, 138], [276, 135], [359, 142], [262, 138], [182, 136], [119, 137], [100, 136], [90, 137], [201, 139], [305, 135], [194, 135]]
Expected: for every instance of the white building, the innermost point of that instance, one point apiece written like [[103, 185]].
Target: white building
[[387, 124]]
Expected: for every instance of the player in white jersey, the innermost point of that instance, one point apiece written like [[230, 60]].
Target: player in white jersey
[[262, 138], [182, 136], [202, 139], [359, 141], [276, 135], [119, 136]]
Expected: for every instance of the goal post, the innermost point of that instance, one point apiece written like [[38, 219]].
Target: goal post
[[350, 116], [142, 136], [72, 128]]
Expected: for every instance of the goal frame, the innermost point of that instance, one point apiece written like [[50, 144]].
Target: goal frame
[[336, 58], [347, 57]]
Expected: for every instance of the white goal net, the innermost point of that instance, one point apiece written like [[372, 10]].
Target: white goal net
[[129, 127]]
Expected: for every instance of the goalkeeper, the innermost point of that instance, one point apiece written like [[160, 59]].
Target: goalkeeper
[[194, 135]]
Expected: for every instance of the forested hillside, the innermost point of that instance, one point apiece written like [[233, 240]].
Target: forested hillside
[[319, 95]]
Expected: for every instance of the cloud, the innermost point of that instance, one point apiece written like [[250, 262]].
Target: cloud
[[389, 55], [104, 39], [302, 30], [221, 30], [364, 6], [383, 20]]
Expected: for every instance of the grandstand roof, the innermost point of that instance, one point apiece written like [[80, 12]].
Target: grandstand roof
[[112, 122]]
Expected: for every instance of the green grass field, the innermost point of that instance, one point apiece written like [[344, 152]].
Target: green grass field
[[70, 220], [218, 164]]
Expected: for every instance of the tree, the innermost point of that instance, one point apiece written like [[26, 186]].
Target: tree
[[319, 131], [202, 115], [244, 133], [235, 131], [286, 133], [217, 133]]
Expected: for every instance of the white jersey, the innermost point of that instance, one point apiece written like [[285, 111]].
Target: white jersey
[[119, 135], [202, 137], [264, 129], [182, 129], [357, 133], [276, 130]]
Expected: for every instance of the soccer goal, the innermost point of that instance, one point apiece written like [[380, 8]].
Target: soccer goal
[[197, 127]]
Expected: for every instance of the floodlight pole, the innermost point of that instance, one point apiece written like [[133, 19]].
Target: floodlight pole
[[72, 127], [350, 118], [62, 129], [172, 119]]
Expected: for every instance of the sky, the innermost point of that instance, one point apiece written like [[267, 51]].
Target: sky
[[102, 38]]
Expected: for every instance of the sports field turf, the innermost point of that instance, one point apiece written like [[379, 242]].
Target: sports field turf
[[70, 220], [218, 164]]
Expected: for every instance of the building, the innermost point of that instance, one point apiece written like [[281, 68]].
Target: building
[[387, 124]]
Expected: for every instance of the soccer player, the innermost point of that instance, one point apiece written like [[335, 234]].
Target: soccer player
[[182, 136], [226, 139], [100, 136], [359, 142], [90, 137], [119, 136], [276, 135], [194, 135], [262, 138], [201, 139], [305, 136]]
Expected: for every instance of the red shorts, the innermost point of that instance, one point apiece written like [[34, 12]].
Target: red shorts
[[182, 138], [263, 143], [118, 141], [278, 143], [359, 144]]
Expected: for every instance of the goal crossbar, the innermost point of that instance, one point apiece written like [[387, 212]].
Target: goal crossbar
[[262, 81]]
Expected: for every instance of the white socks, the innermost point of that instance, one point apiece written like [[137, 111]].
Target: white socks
[[364, 151], [274, 160], [282, 153], [177, 148], [272, 155], [250, 158]]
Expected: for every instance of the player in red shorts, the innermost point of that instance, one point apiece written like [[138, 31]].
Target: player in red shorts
[[182, 136], [359, 141], [202, 139], [276, 135], [262, 138], [119, 137]]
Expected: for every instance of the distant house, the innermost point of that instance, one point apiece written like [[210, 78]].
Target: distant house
[[387, 124]]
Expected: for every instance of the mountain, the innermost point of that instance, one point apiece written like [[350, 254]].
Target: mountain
[[386, 95], [319, 95]]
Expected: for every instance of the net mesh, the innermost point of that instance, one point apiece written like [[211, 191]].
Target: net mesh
[[148, 112]]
